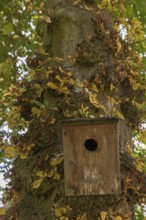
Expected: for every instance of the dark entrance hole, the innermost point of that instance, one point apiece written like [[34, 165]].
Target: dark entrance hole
[[91, 144]]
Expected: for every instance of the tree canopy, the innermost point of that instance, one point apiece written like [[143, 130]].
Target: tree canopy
[[37, 91]]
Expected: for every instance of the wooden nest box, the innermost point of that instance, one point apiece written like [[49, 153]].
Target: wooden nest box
[[91, 156]]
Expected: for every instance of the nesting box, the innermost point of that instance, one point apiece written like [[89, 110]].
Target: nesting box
[[91, 156]]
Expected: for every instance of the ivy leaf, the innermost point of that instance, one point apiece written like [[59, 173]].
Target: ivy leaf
[[139, 166], [82, 217], [61, 211], [61, 70], [37, 183], [135, 86], [7, 29], [56, 161], [2, 211], [10, 152], [138, 105], [76, 2], [41, 174], [103, 215], [118, 114], [28, 1], [35, 111], [142, 136], [51, 85], [56, 176], [118, 218], [49, 101], [51, 173], [64, 90], [24, 156]]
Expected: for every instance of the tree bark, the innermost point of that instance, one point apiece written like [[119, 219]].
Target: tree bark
[[71, 28]]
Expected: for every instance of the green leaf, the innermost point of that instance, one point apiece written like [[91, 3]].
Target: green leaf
[[49, 101], [7, 29]]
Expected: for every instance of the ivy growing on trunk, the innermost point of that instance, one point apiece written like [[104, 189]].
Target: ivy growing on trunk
[[62, 59]]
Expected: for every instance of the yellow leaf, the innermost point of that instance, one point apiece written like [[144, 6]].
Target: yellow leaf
[[139, 166], [42, 174], [29, 146], [76, 2], [59, 78], [142, 136], [58, 59], [51, 85], [63, 218], [78, 84], [129, 149], [64, 90], [93, 99], [88, 8], [100, 6], [112, 100], [94, 87], [118, 218], [56, 161], [135, 86], [56, 176], [2, 211], [35, 111], [60, 211], [138, 105], [11, 151], [23, 156], [117, 113], [134, 73], [61, 70], [15, 36], [103, 215], [51, 173], [68, 73], [82, 217], [37, 183], [112, 87]]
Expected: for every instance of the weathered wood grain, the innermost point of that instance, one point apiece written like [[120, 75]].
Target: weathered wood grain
[[91, 172]]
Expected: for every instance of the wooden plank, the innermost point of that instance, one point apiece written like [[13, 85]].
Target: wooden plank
[[88, 121], [91, 172]]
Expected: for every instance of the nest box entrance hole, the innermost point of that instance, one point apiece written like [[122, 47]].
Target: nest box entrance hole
[[90, 144]]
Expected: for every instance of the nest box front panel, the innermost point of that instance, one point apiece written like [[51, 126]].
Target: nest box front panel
[[91, 159]]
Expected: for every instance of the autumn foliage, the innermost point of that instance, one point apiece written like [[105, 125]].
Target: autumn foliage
[[37, 91]]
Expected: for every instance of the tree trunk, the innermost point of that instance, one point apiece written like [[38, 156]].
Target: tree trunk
[[76, 35]]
